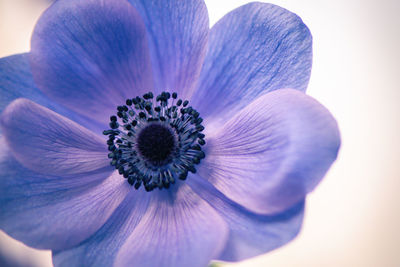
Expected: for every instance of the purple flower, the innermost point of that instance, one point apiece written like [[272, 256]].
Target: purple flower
[[95, 119]]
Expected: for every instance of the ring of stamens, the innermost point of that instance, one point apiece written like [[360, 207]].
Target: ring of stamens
[[155, 141]]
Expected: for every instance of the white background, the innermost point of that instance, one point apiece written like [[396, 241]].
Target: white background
[[352, 218]]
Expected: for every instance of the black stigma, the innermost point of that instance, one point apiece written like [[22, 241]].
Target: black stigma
[[155, 140], [156, 143]]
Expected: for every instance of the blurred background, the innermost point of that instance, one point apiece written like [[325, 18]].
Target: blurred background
[[353, 216]]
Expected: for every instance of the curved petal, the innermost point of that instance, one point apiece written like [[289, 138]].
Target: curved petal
[[16, 81], [250, 234], [91, 55], [48, 143], [52, 212], [166, 228], [101, 248], [178, 33], [183, 228], [254, 49], [273, 152]]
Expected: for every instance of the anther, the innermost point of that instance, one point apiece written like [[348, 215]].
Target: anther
[[151, 144]]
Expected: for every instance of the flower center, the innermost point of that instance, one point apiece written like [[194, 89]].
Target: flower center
[[154, 142]]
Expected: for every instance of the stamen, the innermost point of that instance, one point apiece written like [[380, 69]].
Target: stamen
[[154, 143]]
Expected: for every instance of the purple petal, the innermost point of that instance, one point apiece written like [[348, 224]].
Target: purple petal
[[184, 230], [250, 234], [91, 55], [254, 49], [16, 81], [101, 248], [273, 152], [165, 228], [53, 212], [48, 143], [178, 33]]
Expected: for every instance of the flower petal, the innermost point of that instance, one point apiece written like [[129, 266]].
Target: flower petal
[[250, 234], [254, 49], [48, 143], [165, 228], [52, 212], [273, 152], [16, 81], [177, 230], [91, 55], [178, 33], [101, 248]]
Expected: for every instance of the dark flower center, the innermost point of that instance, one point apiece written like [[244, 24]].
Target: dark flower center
[[154, 142]]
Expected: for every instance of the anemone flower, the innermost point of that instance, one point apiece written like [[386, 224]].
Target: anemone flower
[[134, 135]]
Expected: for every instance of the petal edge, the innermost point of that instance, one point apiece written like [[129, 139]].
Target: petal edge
[[49, 143], [255, 49], [273, 152]]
